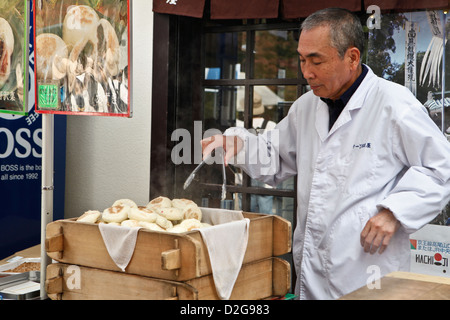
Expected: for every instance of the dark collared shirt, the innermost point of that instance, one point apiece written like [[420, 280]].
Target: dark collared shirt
[[335, 107]]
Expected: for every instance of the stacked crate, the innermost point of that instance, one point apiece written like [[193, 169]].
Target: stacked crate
[[163, 265]]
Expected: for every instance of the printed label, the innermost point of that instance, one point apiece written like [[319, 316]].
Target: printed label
[[48, 96]]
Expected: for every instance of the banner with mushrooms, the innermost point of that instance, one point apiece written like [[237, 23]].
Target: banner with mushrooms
[[13, 56], [82, 57]]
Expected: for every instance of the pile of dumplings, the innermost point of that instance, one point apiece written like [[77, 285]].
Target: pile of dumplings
[[160, 214]]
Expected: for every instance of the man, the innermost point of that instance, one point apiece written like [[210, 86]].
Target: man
[[372, 167]]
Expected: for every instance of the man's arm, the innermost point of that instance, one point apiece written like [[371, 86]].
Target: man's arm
[[422, 190]]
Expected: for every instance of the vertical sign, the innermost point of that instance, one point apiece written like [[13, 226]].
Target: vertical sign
[[411, 30]]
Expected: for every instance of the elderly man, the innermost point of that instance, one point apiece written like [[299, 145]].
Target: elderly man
[[372, 167]]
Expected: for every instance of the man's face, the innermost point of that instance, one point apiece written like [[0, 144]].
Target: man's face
[[328, 74]]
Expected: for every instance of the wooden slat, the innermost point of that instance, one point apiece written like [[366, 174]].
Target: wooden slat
[[54, 285], [96, 284], [281, 277], [256, 280], [282, 240]]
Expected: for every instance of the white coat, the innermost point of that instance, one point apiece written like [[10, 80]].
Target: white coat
[[383, 151]]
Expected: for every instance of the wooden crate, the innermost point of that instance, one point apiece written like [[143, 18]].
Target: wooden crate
[[257, 280], [177, 257]]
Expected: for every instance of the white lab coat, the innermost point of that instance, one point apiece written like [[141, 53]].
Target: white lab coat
[[383, 151]]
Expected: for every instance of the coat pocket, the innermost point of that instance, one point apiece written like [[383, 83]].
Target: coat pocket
[[346, 263], [354, 173]]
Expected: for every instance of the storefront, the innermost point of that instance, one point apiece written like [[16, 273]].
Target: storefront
[[213, 62], [221, 62]]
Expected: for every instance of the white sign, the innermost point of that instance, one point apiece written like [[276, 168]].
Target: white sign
[[430, 250]]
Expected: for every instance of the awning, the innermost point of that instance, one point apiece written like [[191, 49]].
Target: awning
[[408, 4], [244, 9], [190, 8], [290, 9]]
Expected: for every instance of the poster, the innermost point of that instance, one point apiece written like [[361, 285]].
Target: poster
[[14, 22], [407, 49], [20, 172], [83, 58], [430, 250]]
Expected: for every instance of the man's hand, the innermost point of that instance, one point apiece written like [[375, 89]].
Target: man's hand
[[231, 144], [378, 231]]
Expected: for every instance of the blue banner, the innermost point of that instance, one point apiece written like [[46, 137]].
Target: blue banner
[[20, 173]]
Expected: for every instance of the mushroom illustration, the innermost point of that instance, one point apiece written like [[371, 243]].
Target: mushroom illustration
[[80, 34], [51, 57], [108, 47], [6, 50]]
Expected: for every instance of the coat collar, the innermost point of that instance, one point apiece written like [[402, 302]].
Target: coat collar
[[355, 102]]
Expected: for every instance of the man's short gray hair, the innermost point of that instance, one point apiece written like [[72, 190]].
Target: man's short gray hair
[[345, 28]]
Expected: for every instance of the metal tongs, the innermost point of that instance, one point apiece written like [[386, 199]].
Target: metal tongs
[[194, 172]]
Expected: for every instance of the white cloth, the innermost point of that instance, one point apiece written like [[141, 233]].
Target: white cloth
[[226, 242], [120, 242], [383, 151]]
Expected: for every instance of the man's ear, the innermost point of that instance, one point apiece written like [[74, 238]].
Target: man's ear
[[353, 55]]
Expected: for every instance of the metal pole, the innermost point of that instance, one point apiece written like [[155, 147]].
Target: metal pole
[[443, 71], [47, 191]]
